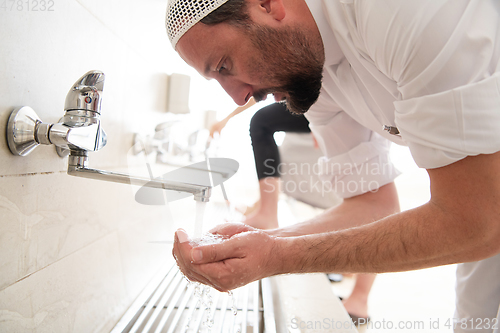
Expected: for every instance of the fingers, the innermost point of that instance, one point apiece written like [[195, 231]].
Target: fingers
[[182, 254], [210, 272], [182, 236], [232, 263], [227, 249], [213, 129], [230, 229], [191, 253], [216, 128]]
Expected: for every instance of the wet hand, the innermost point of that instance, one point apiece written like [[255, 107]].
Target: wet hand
[[243, 256], [231, 228]]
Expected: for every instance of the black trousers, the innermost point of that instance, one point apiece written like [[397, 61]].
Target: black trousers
[[265, 122]]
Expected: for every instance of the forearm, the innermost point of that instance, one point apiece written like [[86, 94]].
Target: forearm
[[352, 212], [423, 237], [242, 108], [237, 111], [459, 224]]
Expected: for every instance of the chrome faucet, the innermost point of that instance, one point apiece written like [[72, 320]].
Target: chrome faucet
[[78, 132], [80, 128]]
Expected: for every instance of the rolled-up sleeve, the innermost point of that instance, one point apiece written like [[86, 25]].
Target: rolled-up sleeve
[[443, 128], [445, 57]]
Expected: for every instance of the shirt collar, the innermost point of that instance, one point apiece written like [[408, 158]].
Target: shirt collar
[[333, 53]]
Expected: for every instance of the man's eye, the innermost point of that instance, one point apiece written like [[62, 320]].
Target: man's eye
[[222, 68]]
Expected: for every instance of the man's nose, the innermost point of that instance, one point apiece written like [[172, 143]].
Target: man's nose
[[240, 92]]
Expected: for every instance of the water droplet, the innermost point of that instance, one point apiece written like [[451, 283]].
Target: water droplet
[[233, 303], [209, 239]]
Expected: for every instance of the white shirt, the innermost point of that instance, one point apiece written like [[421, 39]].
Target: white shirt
[[428, 67]]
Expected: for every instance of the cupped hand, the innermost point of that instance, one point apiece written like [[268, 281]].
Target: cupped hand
[[243, 256]]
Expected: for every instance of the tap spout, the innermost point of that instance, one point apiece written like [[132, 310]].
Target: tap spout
[[78, 166]]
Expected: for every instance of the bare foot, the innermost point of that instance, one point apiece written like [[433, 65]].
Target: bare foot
[[261, 221], [252, 209], [356, 306]]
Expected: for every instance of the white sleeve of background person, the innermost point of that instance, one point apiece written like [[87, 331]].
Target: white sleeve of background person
[[356, 159]]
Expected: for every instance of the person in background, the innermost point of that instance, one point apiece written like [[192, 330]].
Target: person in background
[[264, 123]]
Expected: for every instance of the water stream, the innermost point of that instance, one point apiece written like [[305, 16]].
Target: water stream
[[198, 222], [201, 292]]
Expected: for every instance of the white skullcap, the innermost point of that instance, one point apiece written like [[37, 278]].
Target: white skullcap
[[183, 14]]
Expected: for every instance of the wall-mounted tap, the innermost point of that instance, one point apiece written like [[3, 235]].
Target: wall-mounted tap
[[79, 131], [79, 128]]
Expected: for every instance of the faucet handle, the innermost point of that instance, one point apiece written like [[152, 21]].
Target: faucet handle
[[86, 93]]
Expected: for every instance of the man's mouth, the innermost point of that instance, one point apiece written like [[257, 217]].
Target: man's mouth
[[279, 97]]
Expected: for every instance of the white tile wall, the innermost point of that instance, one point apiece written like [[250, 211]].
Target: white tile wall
[[74, 252]]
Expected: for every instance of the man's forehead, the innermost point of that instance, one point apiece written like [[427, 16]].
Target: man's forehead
[[198, 47]]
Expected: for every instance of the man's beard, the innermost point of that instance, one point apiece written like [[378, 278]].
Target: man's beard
[[291, 62]]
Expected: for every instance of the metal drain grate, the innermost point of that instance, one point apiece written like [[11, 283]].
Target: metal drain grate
[[169, 305]]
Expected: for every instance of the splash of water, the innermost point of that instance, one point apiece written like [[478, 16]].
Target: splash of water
[[203, 293], [208, 239], [204, 303]]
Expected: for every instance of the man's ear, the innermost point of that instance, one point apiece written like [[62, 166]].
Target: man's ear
[[274, 7]]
